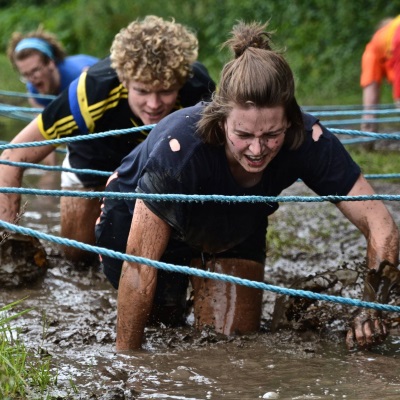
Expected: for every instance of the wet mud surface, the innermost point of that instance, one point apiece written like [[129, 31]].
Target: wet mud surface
[[74, 313]]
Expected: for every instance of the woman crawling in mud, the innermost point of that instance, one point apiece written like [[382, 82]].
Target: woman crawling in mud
[[251, 139]]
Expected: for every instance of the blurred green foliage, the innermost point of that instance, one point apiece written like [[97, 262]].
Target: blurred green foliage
[[323, 39]]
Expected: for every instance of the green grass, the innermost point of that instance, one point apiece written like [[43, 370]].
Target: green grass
[[376, 162], [9, 78], [24, 373]]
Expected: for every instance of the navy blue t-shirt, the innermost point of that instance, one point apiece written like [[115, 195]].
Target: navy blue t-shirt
[[198, 168]]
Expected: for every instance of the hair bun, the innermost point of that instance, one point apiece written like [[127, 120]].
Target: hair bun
[[244, 36]]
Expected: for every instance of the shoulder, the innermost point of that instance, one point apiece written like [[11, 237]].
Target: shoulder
[[181, 125], [200, 86], [82, 59], [312, 135], [183, 119], [168, 149], [309, 121], [101, 82], [102, 68], [77, 62]]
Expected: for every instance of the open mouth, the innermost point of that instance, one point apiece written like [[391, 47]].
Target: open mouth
[[154, 116], [39, 86], [254, 161]]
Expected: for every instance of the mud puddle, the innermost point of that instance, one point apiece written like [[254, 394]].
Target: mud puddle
[[74, 313]]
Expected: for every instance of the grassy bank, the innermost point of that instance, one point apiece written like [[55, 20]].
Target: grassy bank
[[24, 373]]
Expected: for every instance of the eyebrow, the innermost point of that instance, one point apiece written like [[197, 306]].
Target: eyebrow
[[264, 133]]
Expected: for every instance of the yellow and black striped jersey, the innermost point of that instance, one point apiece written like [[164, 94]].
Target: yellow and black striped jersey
[[98, 102]]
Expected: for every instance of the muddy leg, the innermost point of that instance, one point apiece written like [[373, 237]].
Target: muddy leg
[[78, 217], [227, 307]]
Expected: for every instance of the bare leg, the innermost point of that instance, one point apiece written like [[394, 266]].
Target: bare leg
[[78, 218], [226, 307]]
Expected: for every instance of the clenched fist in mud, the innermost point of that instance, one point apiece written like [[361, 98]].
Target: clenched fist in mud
[[369, 328]]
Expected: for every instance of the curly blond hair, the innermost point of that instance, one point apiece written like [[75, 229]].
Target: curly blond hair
[[154, 51], [58, 50]]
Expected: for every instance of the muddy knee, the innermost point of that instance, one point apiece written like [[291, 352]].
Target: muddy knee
[[228, 308]]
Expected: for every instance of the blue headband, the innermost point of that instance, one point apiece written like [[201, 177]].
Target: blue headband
[[36, 44]]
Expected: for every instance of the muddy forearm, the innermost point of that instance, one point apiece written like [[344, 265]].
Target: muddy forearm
[[12, 176], [368, 328], [9, 203], [383, 246], [148, 238], [135, 299], [375, 222]]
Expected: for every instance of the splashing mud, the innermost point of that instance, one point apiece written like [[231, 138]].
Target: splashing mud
[[298, 354]]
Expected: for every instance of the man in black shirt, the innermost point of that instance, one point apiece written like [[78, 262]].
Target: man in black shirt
[[151, 72]]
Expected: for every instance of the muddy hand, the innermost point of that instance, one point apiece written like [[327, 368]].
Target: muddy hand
[[23, 259], [367, 330]]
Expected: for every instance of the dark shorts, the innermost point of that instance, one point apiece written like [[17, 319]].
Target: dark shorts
[[112, 232]]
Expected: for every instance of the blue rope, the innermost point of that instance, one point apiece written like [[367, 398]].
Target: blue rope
[[356, 112], [359, 121], [354, 141], [382, 176], [198, 198], [198, 272], [55, 168], [323, 111], [394, 136], [7, 108], [27, 95], [108, 173], [346, 107], [92, 136], [33, 165]]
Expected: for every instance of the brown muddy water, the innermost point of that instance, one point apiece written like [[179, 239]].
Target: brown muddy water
[[74, 313]]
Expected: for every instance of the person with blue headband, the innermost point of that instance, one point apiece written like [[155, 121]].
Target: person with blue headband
[[151, 71], [43, 64]]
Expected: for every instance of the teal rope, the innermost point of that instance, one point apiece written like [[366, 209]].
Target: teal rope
[[108, 173], [375, 135], [382, 176], [55, 168], [336, 122], [198, 272], [198, 198], [91, 136], [354, 141], [7, 108], [355, 112], [346, 107], [316, 110], [27, 95]]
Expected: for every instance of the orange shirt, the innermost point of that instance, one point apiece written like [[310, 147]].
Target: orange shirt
[[377, 60]]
